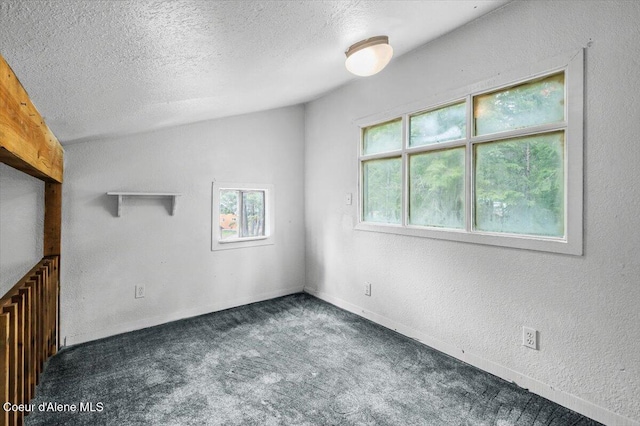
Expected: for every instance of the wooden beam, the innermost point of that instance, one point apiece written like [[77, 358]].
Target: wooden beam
[[26, 143], [52, 218]]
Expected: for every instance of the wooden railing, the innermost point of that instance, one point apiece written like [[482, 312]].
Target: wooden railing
[[28, 336]]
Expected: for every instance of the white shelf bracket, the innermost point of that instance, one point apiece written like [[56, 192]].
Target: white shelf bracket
[[174, 202], [119, 205]]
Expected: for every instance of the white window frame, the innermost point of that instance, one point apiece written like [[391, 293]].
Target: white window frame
[[572, 242], [235, 243]]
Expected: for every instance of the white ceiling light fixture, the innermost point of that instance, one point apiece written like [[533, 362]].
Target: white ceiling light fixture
[[369, 57]]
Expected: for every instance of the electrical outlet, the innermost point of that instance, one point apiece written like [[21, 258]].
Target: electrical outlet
[[530, 338], [367, 289], [139, 291]]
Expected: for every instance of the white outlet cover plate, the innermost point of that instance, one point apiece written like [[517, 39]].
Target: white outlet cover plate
[[139, 291], [530, 338]]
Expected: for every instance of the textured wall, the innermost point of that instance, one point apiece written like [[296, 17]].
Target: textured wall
[[21, 222], [105, 256], [472, 300]]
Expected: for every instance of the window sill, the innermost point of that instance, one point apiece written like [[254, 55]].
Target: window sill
[[526, 242], [239, 240], [242, 243]]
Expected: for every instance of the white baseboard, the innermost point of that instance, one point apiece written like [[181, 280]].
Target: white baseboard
[[570, 401], [76, 339]]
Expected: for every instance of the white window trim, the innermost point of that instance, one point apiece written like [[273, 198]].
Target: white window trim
[[572, 243], [269, 232]]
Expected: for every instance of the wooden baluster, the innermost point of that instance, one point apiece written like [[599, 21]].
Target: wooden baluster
[[25, 293], [28, 335], [33, 359], [45, 313], [56, 299], [53, 277], [4, 365], [35, 311], [38, 342], [11, 309], [18, 301], [56, 303]]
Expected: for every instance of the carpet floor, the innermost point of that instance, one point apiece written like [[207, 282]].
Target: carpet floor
[[294, 360]]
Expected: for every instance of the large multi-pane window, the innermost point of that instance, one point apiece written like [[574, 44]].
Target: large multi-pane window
[[501, 166]]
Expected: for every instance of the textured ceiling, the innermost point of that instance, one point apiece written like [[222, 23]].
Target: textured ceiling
[[97, 68]]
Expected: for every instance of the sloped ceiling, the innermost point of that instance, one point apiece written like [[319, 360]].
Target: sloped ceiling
[[105, 68]]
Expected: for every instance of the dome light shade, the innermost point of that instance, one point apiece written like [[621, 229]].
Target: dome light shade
[[369, 57]]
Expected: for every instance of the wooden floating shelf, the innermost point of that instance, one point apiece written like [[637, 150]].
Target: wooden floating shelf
[[121, 195]]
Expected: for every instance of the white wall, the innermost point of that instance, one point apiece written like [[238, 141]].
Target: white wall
[[472, 300], [21, 225], [104, 256]]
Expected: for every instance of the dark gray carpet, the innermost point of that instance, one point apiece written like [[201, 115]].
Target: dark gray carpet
[[289, 361]]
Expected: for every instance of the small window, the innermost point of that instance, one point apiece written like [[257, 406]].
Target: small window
[[440, 125], [520, 185], [383, 137], [436, 188], [242, 215], [382, 185], [529, 104]]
